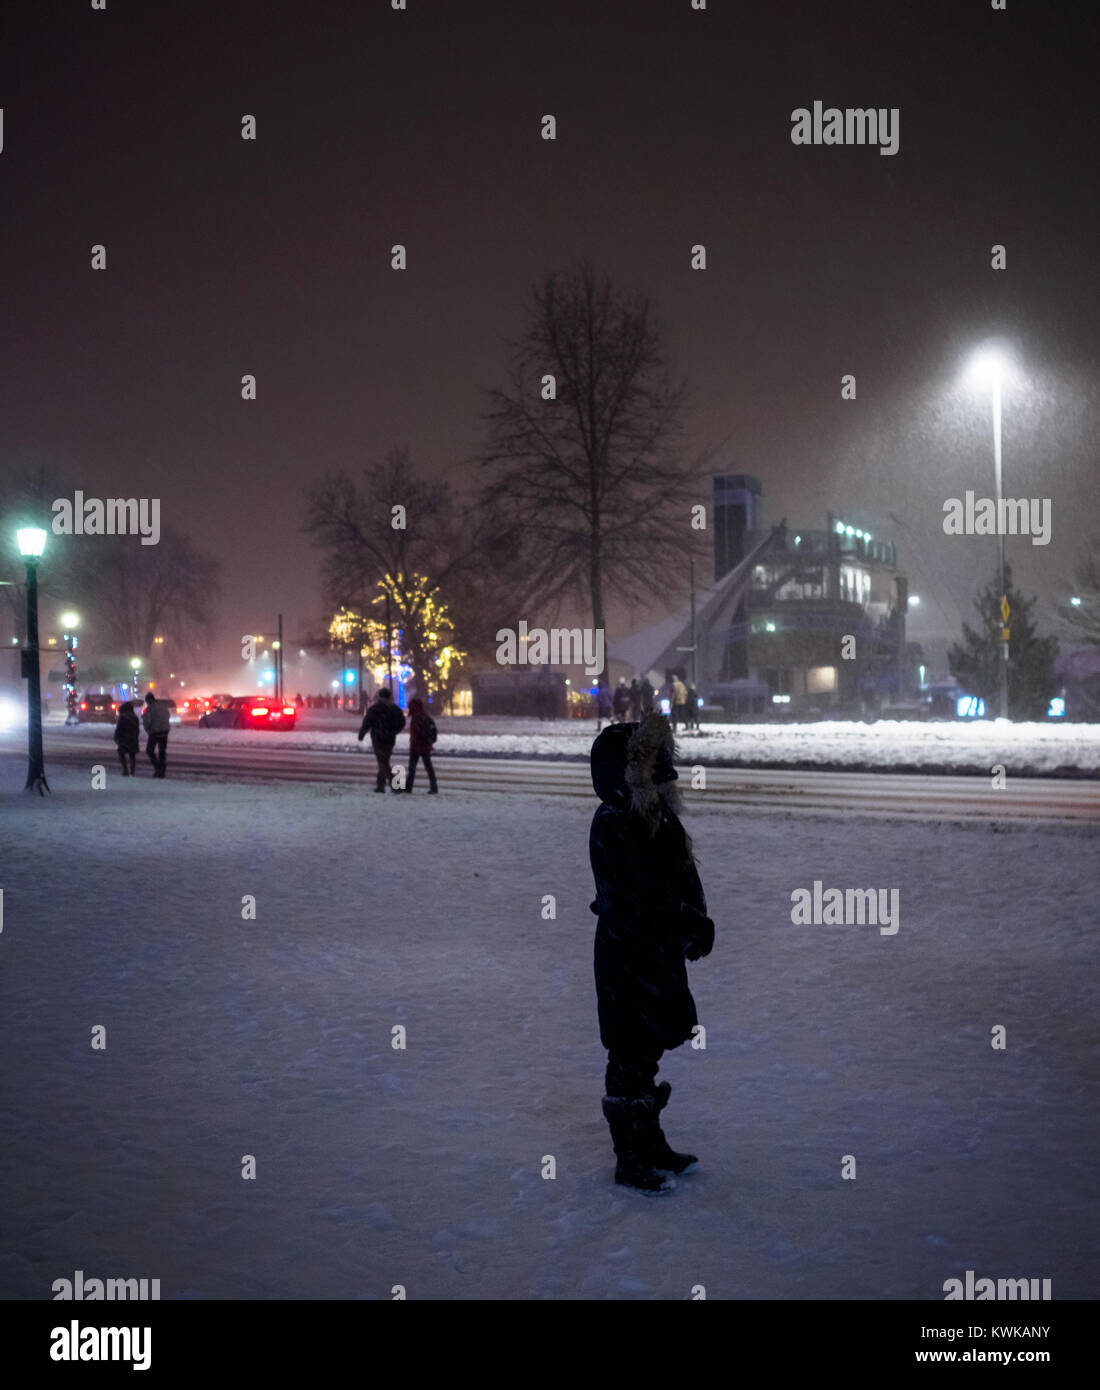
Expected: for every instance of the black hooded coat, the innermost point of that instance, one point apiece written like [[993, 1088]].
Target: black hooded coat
[[648, 898]]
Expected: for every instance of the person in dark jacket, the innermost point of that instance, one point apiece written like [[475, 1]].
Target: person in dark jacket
[[646, 692], [383, 721], [128, 738], [422, 736], [157, 720], [652, 915]]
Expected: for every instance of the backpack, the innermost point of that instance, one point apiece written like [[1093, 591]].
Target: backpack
[[430, 729]]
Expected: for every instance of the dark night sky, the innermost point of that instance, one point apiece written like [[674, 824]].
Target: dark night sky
[[422, 127]]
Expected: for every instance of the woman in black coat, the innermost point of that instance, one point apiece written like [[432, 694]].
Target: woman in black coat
[[652, 915], [128, 738]]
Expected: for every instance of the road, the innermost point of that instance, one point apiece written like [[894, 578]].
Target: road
[[925, 797]]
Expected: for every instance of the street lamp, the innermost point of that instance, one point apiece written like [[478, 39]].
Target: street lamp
[[70, 621], [990, 366], [135, 666], [32, 542]]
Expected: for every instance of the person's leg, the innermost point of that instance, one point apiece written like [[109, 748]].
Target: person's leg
[[133, 764], [383, 761], [631, 1074], [162, 763], [630, 1109], [432, 784], [122, 760], [414, 758], [151, 752]]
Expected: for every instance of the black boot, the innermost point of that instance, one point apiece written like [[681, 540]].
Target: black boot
[[666, 1159], [631, 1123]]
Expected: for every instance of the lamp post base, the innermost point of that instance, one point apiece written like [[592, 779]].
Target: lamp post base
[[37, 782]]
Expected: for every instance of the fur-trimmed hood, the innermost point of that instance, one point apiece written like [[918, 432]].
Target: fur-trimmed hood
[[630, 761]]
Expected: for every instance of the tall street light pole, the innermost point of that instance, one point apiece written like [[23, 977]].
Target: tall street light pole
[[32, 542], [990, 365], [1000, 539]]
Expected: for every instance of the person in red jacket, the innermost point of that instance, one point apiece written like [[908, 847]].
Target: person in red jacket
[[422, 735]]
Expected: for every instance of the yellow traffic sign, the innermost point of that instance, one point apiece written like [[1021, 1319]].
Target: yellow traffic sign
[[1005, 610]]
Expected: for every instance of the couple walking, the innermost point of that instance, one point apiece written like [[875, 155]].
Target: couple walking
[[156, 718], [384, 721]]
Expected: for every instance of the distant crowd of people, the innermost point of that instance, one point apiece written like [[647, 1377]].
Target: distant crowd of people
[[324, 701], [634, 701]]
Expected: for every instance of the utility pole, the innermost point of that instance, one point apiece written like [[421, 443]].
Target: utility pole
[[280, 691], [1005, 610]]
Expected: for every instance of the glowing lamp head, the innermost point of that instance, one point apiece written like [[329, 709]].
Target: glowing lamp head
[[992, 365], [69, 621], [32, 541]]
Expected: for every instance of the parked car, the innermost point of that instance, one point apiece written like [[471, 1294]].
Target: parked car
[[250, 712], [98, 709]]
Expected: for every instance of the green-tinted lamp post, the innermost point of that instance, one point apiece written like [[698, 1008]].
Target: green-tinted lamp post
[[32, 542]]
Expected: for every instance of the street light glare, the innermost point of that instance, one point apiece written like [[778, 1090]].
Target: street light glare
[[991, 365], [32, 541], [69, 620]]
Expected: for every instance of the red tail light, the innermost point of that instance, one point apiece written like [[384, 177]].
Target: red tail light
[[260, 709], [288, 709], [84, 705], [114, 707]]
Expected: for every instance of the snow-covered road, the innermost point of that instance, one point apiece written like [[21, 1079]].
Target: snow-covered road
[[423, 1167], [259, 756]]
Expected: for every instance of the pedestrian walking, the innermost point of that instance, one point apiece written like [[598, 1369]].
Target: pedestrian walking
[[620, 701], [693, 707], [646, 692], [678, 701], [635, 700], [156, 719], [422, 737], [651, 917], [383, 721], [128, 738]]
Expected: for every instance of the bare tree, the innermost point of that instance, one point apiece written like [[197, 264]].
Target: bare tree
[[137, 592], [593, 480], [127, 593]]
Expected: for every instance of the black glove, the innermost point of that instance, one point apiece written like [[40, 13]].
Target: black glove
[[696, 934]]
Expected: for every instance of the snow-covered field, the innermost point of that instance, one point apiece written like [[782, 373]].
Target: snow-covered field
[[895, 746], [377, 1167]]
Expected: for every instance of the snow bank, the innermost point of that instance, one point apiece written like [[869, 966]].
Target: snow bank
[[894, 746]]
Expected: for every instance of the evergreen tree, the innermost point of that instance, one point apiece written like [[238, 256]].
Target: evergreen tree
[[976, 661]]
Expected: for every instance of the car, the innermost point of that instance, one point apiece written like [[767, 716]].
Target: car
[[250, 712], [97, 709], [195, 706], [173, 712]]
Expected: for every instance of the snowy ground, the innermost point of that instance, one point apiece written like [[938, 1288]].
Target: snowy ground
[[378, 1167], [896, 746]]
